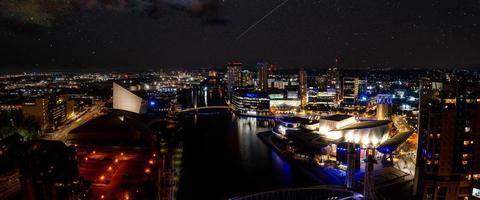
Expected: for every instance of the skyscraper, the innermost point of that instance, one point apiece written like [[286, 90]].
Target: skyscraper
[[247, 78], [302, 80], [234, 77], [449, 127], [350, 86], [263, 72]]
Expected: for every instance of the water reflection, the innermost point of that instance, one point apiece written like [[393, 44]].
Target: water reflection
[[223, 156]]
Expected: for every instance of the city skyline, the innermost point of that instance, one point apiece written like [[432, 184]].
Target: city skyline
[[239, 99]]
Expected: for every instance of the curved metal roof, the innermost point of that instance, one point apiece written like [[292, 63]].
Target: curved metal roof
[[391, 144], [364, 124]]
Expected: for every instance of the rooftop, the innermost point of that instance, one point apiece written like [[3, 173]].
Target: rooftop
[[337, 117], [114, 130], [364, 124]]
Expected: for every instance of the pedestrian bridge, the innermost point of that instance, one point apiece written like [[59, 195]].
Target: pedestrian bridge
[[202, 108], [323, 192]]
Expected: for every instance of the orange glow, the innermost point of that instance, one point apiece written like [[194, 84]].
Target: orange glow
[[121, 153], [154, 155], [109, 168], [102, 177], [150, 162], [147, 170], [127, 196], [116, 160], [102, 197], [94, 152], [86, 158]]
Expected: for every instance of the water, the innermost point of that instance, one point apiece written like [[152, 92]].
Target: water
[[223, 157]]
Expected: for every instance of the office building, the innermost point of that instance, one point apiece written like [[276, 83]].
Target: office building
[[247, 78], [263, 73], [50, 111], [350, 87], [251, 103], [234, 77], [302, 81]]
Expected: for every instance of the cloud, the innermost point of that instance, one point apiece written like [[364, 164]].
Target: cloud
[[44, 12]]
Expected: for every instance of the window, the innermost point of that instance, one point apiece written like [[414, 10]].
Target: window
[[467, 129]]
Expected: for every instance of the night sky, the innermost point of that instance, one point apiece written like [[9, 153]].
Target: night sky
[[132, 34]]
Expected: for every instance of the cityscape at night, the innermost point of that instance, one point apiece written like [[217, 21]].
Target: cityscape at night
[[239, 100]]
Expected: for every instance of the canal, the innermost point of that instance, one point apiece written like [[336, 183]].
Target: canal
[[223, 157]]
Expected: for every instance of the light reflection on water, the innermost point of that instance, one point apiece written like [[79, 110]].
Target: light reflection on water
[[224, 157]]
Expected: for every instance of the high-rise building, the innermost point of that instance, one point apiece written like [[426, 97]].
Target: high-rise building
[[302, 81], [247, 78], [350, 86], [263, 72], [234, 77], [449, 137]]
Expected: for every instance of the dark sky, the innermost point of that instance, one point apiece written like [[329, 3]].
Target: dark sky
[[129, 34]]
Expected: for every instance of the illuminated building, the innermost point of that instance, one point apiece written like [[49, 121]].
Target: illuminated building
[[234, 77], [321, 98], [343, 137], [302, 81], [263, 73], [212, 73], [50, 112], [39, 111], [384, 106], [247, 78], [350, 86], [251, 103], [448, 166], [126, 100], [281, 105]]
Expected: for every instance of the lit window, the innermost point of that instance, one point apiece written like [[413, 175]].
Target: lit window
[[465, 156], [467, 129], [476, 177], [465, 142], [464, 162]]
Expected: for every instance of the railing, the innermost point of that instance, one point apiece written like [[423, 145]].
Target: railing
[[326, 192]]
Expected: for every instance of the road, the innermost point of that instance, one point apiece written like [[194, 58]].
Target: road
[[62, 132], [10, 184], [406, 156]]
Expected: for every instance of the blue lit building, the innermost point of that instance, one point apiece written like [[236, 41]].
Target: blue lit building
[[251, 103]]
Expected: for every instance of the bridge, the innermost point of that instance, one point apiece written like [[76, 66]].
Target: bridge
[[202, 108], [317, 192]]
